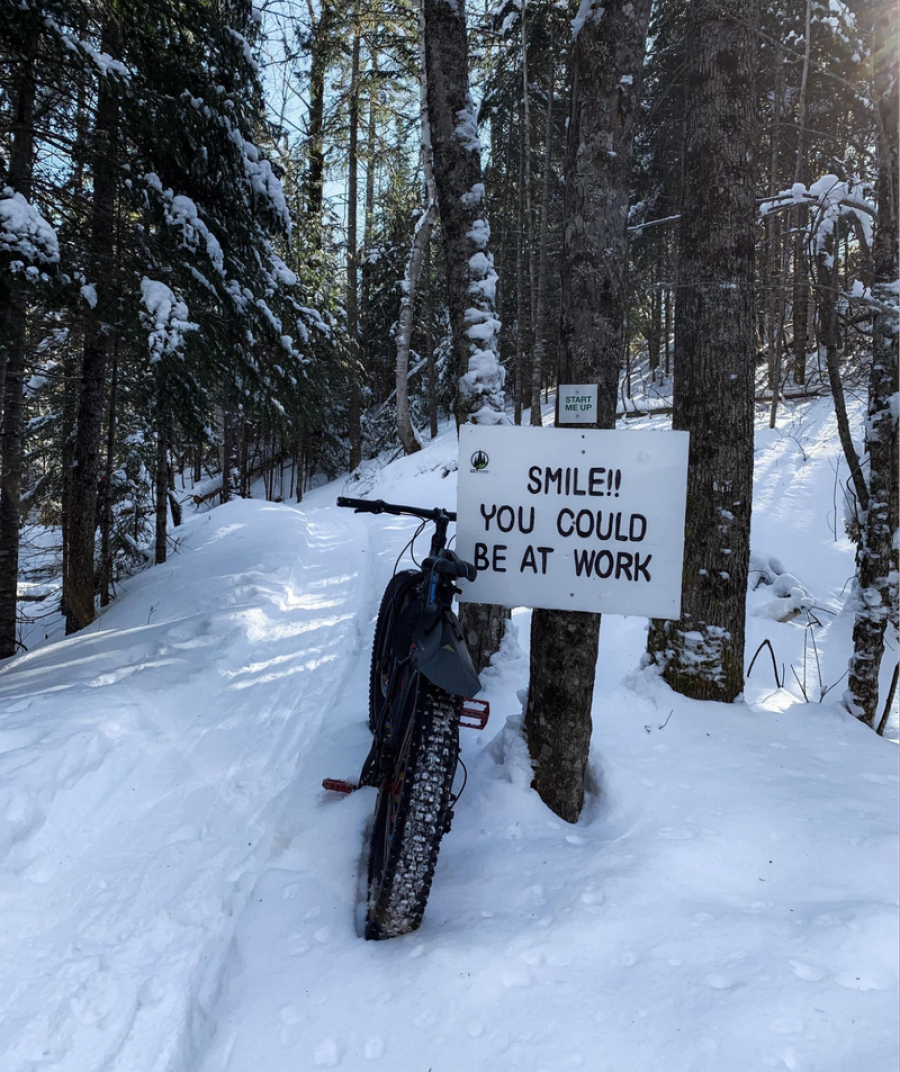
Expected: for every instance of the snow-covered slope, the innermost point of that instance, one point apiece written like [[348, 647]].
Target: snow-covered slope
[[177, 893]]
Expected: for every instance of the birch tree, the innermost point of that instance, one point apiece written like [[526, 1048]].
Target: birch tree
[[877, 565], [607, 59]]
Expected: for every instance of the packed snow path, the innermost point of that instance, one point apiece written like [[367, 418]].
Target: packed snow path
[[178, 894]]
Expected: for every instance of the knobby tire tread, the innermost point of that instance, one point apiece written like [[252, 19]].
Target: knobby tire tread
[[399, 893]]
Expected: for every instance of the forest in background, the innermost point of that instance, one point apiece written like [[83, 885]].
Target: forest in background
[[222, 255]]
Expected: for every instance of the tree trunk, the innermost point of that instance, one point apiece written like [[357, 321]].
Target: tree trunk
[[78, 569], [106, 515], [828, 297], [430, 357], [775, 276], [877, 565], [522, 318], [655, 329], [315, 175], [13, 324], [162, 490], [471, 279], [540, 318], [801, 251], [528, 228], [421, 239], [703, 653], [352, 281], [608, 55]]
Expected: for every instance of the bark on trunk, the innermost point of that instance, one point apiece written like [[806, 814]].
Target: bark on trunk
[[78, 569], [540, 318], [13, 324], [703, 653], [106, 558], [877, 565], [774, 274], [801, 251], [352, 281], [162, 493], [429, 349], [608, 57], [319, 59], [522, 318], [471, 279], [408, 437]]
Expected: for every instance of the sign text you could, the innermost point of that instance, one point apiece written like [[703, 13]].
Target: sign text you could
[[573, 520]]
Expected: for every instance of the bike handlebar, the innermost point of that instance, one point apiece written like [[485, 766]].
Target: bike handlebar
[[379, 506]]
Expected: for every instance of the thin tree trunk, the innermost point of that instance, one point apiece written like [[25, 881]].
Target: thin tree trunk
[[13, 326], [801, 253], [78, 569], [775, 278], [106, 515], [778, 336], [527, 231], [421, 239], [877, 558], [522, 318], [828, 297], [702, 655], [540, 318], [162, 487], [428, 315], [352, 280], [607, 61]]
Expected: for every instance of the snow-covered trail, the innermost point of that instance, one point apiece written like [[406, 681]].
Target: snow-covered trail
[[141, 776], [178, 894]]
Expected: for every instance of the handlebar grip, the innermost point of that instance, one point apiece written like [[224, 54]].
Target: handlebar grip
[[364, 506]]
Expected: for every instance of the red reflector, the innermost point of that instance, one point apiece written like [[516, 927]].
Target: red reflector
[[474, 714], [338, 785]]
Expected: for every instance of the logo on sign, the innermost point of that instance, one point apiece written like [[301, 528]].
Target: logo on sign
[[479, 461]]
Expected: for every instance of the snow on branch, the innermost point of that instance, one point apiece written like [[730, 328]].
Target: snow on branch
[[165, 316], [833, 197], [24, 233]]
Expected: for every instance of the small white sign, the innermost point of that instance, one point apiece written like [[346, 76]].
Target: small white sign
[[577, 403], [573, 520]]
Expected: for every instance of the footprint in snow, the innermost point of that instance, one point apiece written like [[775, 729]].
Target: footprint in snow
[[326, 1054], [374, 1048], [807, 972]]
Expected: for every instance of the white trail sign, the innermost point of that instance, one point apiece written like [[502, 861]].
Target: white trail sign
[[573, 520]]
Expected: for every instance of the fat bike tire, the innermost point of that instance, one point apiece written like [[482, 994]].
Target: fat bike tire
[[411, 814], [400, 589]]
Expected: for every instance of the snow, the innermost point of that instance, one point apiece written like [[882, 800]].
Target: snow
[[24, 232], [466, 129], [89, 293], [179, 895], [588, 11], [166, 317]]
